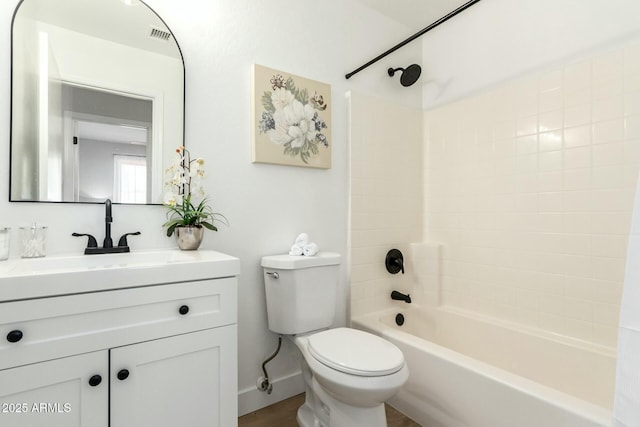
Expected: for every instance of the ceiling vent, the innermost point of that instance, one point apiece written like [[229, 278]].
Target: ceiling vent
[[158, 34]]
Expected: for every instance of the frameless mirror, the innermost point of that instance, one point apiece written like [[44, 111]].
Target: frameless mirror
[[97, 101]]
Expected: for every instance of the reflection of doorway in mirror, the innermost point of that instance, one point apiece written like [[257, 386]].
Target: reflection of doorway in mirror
[[99, 167], [102, 125]]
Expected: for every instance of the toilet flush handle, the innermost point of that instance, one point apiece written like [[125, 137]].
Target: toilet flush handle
[[273, 274]]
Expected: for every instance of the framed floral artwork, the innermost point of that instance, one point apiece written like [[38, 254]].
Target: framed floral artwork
[[291, 119]]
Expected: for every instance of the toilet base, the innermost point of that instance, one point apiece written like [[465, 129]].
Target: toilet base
[[305, 416], [321, 410], [336, 414]]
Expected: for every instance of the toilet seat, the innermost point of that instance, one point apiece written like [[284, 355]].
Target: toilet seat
[[355, 352]]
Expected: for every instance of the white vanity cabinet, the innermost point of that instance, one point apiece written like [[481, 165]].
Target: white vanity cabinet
[[131, 355], [178, 381], [56, 393]]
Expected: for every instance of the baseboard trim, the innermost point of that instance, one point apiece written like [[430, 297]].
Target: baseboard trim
[[251, 399]]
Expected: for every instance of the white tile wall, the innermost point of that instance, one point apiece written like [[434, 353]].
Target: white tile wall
[[530, 188], [386, 197]]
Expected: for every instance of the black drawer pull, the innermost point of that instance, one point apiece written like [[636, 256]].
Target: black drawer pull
[[95, 380], [184, 309], [123, 374], [14, 336]]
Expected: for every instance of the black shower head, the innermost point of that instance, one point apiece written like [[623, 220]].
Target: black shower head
[[410, 75]]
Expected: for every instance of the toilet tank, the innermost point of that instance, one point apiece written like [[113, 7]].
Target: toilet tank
[[301, 291]]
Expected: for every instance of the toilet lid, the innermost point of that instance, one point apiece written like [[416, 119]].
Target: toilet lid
[[355, 352]]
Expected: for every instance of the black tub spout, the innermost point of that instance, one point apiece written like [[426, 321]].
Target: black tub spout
[[395, 295]]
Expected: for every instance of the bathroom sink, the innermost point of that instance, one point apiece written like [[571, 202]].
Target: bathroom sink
[[57, 275], [123, 260], [76, 263]]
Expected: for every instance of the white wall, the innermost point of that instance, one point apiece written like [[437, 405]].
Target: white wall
[[386, 199], [266, 205], [574, 106], [496, 40], [530, 188]]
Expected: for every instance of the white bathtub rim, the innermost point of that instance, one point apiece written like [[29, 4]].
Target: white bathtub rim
[[544, 393]]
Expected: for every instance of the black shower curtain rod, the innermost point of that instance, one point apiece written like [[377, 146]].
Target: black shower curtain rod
[[415, 36]]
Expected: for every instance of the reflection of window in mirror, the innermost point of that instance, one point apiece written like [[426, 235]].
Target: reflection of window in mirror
[[130, 179]]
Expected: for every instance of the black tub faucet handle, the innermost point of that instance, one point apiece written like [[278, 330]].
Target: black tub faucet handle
[[394, 261]]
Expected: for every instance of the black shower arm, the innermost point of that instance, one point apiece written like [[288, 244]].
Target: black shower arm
[[413, 37]]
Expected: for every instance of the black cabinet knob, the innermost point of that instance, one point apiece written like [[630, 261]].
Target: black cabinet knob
[[184, 309], [14, 336], [95, 380], [123, 374]]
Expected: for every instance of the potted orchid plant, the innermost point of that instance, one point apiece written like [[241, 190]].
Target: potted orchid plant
[[187, 219]]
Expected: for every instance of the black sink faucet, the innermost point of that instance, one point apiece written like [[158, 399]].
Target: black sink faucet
[[401, 297], [107, 246], [108, 219]]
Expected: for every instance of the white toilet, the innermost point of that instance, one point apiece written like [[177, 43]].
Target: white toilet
[[348, 373]]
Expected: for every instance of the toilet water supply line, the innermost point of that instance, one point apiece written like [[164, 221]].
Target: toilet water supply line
[[263, 382]]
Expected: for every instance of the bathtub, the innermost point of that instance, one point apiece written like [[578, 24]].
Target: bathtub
[[466, 370]]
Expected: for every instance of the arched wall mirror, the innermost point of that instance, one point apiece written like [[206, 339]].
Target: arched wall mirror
[[97, 101]]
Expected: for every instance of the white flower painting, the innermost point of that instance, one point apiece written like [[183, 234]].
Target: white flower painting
[[292, 117]]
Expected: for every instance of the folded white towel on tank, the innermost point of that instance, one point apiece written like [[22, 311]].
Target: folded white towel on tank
[[302, 239], [302, 246], [310, 249], [296, 251]]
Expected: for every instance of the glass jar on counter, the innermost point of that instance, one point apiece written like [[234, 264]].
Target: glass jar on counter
[[33, 241], [5, 240]]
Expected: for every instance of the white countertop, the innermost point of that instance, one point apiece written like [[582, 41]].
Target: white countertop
[[70, 274]]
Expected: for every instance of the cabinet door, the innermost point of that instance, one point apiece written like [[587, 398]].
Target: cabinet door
[[57, 393], [185, 380]]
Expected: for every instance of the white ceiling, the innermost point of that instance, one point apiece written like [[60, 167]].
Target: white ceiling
[[415, 14]]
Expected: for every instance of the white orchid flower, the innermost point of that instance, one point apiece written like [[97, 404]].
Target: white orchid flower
[[170, 199]]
